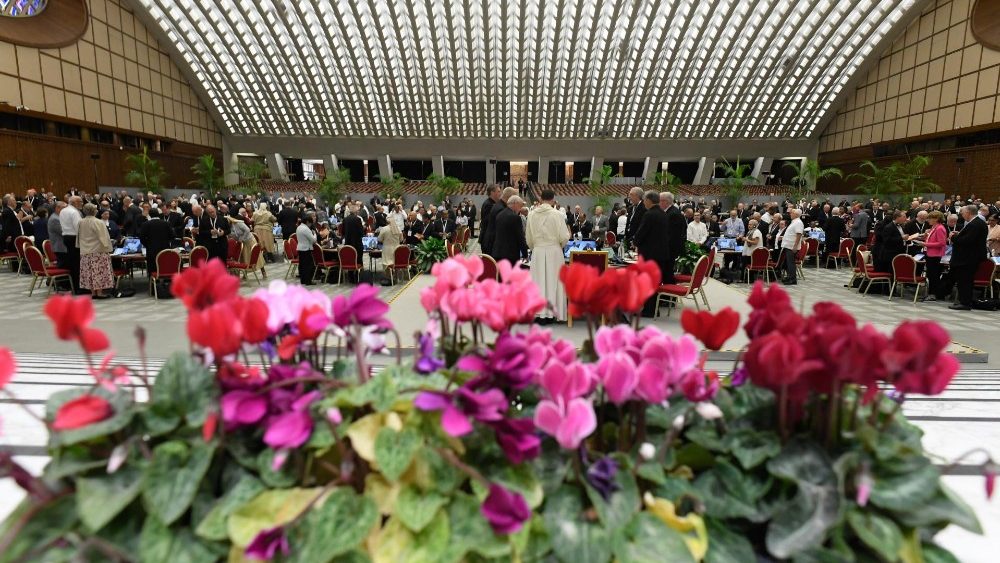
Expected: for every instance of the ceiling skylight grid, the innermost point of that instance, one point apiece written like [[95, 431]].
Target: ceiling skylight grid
[[644, 69]]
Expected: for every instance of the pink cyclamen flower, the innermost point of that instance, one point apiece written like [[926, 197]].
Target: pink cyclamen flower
[[266, 544], [506, 511], [465, 404], [361, 307], [517, 438], [618, 375], [567, 381], [990, 472], [570, 423], [240, 408], [289, 430], [609, 340], [285, 303]]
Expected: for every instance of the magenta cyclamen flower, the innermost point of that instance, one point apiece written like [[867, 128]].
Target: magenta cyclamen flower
[[240, 408], [266, 544], [513, 361], [465, 404], [293, 428], [506, 511], [361, 307], [569, 422], [427, 362], [517, 438], [567, 381]]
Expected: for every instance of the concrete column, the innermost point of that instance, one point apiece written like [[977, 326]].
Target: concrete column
[[761, 165], [596, 163], [230, 165], [543, 170], [437, 165], [331, 163], [276, 165], [491, 171], [706, 167], [384, 166], [650, 168]]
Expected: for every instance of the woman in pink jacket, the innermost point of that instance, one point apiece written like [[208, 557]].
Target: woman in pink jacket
[[934, 246]]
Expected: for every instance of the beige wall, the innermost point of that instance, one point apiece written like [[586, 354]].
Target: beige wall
[[935, 78], [116, 75]]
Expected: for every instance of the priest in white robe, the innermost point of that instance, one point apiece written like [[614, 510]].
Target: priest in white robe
[[547, 233]]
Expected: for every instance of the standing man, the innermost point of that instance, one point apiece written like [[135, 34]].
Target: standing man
[[599, 229], [676, 234], [791, 240], [546, 235], [69, 220], [510, 243], [55, 234], [305, 239], [354, 231], [859, 225], [470, 212], [10, 224], [833, 229], [968, 250], [651, 240], [635, 198], [492, 196], [490, 233], [156, 235], [287, 218]]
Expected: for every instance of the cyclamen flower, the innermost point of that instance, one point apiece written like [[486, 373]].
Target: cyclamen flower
[[202, 286], [567, 381], [427, 362], [285, 303], [712, 329], [464, 404], [570, 422], [71, 317], [506, 511], [601, 475], [293, 428], [361, 307], [240, 408], [82, 411], [917, 360], [516, 436], [554, 351], [266, 544], [8, 366], [514, 361]]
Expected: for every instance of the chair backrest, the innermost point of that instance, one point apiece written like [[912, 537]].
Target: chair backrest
[[700, 273], [49, 252], [871, 238], [19, 243], [465, 238], [984, 273], [188, 241], [255, 256], [859, 254], [759, 258], [904, 267], [235, 249], [595, 258], [291, 249], [35, 261], [801, 254], [610, 239], [846, 246], [168, 262], [199, 255], [401, 257], [450, 248], [348, 255], [317, 252], [812, 245], [711, 260], [490, 270]]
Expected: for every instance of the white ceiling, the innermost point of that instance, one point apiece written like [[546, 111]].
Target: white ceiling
[[525, 69]]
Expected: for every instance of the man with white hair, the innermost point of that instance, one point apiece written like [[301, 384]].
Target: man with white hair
[[833, 230], [635, 215], [676, 234], [509, 242], [490, 234], [791, 240]]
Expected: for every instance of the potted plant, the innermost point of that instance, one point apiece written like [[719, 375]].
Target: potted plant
[[393, 186], [333, 186], [207, 176], [736, 178], [144, 172], [250, 174], [429, 252], [444, 187]]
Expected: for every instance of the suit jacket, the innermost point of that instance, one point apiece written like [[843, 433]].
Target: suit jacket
[[834, 229], [155, 235], [676, 231], [890, 244], [634, 220], [652, 239], [288, 218], [509, 243], [859, 229], [411, 230], [969, 245], [600, 226], [490, 227], [11, 227], [485, 216], [354, 231]]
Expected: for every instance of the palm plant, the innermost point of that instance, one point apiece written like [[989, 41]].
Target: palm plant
[[207, 176], [665, 178], [879, 180], [443, 187], [808, 173], [737, 177], [333, 186], [598, 188], [393, 185], [911, 176], [145, 172], [250, 173]]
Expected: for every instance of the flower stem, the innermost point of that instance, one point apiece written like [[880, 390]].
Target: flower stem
[[783, 413], [833, 416], [453, 460]]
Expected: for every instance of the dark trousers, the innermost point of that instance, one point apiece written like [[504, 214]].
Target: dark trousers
[[858, 241], [789, 263], [668, 269], [472, 228], [964, 276], [307, 267], [72, 260], [933, 274]]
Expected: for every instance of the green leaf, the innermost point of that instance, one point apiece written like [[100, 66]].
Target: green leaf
[[415, 509], [752, 447], [624, 503], [395, 450], [550, 467], [936, 554], [647, 538], [185, 388], [431, 542], [520, 479], [279, 479], [172, 478], [574, 539], [802, 523], [49, 523], [653, 472], [100, 499], [906, 492], [380, 392], [721, 503], [707, 436], [745, 486], [470, 532], [432, 472], [943, 508], [158, 419], [160, 543], [533, 542], [879, 533], [121, 404], [725, 545], [71, 460], [267, 510], [334, 527], [213, 525]]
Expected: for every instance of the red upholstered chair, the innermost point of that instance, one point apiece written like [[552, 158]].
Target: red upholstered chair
[[845, 251], [904, 271], [199, 255], [400, 263], [234, 252], [19, 243], [678, 292], [168, 265], [871, 239], [596, 258], [323, 263], [800, 258], [466, 236], [868, 274], [50, 255], [760, 263], [252, 266], [490, 270], [812, 249], [348, 256], [859, 264], [292, 255], [610, 239], [189, 242], [36, 264], [985, 276], [686, 278]]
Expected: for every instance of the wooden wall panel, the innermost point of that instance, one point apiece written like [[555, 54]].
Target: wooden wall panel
[[64, 163]]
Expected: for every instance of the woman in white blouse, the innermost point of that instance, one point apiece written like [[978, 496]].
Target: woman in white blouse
[[752, 240]]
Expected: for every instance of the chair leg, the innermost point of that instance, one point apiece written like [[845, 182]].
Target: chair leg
[[705, 299], [256, 277], [892, 290], [656, 311], [34, 280], [156, 293]]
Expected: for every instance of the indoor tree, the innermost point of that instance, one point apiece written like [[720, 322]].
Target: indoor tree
[[737, 177], [878, 181], [598, 188], [333, 186], [250, 173], [393, 185], [145, 172], [911, 176], [207, 175], [443, 187], [808, 173], [665, 178]]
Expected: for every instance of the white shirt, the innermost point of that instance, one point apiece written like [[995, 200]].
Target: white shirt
[[749, 247], [69, 219], [794, 228], [306, 238], [697, 232], [766, 217]]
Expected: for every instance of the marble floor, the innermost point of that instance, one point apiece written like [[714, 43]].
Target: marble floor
[[966, 416]]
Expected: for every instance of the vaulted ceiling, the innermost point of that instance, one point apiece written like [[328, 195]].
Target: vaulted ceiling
[[525, 69]]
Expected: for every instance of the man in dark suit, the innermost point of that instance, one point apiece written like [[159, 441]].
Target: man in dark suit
[[492, 197], [489, 233], [288, 218], [471, 213], [210, 231], [413, 229], [834, 230], [354, 231], [155, 235], [891, 242], [448, 225], [10, 224], [916, 226], [968, 250], [676, 234], [651, 237], [635, 214], [510, 243]]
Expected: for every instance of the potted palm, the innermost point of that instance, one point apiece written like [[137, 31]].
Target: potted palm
[[145, 172], [207, 175]]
